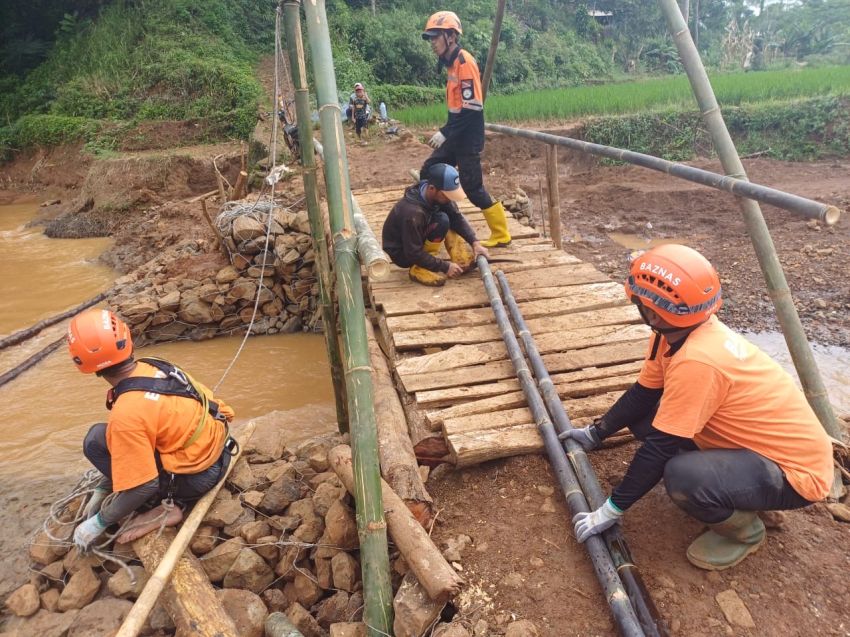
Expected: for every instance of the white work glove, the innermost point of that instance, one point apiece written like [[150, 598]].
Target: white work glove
[[437, 140], [587, 437], [587, 524], [93, 505], [87, 532]]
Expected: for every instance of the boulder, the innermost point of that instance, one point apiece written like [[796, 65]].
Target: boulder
[[301, 223], [291, 556], [246, 228], [454, 629], [332, 610], [205, 539], [268, 434], [415, 612], [217, 562], [275, 600], [73, 561], [195, 312], [241, 476], [253, 531], [252, 498], [341, 527], [324, 575], [304, 621], [223, 512], [121, 586], [267, 548], [282, 492], [170, 302], [249, 571], [354, 612], [310, 530], [522, 628], [101, 618], [246, 517], [246, 609], [348, 629], [346, 571], [326, 494], [306, 590], [319, 460], [54, 571], [80, 590], [24, 601], [42, 624], [50, 599], [280, 468], [734, 609], [45, 550]]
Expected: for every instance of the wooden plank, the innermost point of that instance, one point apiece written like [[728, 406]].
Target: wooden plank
[[576, 408], [439, 398], [581, 298], [479, 446], [515, 399], [590, 357], [465, 293]]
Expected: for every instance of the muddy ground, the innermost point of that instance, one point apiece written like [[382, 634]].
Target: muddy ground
[[524, 561]]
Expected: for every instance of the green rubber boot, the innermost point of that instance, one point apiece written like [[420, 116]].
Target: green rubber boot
[[728, 542]]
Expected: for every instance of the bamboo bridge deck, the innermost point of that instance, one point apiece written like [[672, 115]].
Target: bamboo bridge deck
[[458, 385]]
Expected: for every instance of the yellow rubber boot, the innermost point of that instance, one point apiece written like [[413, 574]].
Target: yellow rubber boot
[[459, 250], [425, 276], [497, 220], [728, 542]]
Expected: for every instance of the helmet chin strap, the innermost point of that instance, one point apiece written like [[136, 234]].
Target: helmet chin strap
[[658, 330]]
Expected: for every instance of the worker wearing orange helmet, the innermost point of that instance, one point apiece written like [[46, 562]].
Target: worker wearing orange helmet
[[720, 421], [460, 141], [166, 442]]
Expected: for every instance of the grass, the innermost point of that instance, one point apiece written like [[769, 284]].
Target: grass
[[647, 95]]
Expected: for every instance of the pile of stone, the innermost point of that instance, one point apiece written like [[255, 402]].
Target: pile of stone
[[162, 303], [519, 205]]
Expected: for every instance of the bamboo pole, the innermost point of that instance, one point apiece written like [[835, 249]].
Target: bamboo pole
[[648, 616], [494, 45], [606, 573], [774, 276], [372, 528], [295, 49], [800, 206], [554, 194], [137, 616], [22, 335]]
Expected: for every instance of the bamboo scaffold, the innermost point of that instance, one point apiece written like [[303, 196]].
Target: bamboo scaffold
[[650, 620], [774, 276], [606, 573], [371, 525], [295, 49], [732, 183]]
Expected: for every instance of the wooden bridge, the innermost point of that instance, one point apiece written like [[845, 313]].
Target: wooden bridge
[[458, 385]]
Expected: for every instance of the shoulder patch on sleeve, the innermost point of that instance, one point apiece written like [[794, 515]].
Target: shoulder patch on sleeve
[[467, 89]]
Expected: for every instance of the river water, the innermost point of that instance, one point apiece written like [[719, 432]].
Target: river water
[[48, 409]]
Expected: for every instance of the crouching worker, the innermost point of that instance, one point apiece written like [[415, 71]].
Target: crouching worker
[[719, 420], [166, 443], [420, 221]]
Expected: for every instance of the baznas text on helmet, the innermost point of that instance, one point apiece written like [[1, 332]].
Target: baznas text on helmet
[[660, 272]]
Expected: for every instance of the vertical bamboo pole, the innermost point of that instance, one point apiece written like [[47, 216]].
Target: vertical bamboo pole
[[777, 286], [295, 49], [494, 44], [372, 527], [554, 194]]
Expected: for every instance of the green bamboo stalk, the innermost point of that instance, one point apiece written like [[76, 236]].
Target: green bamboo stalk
[[298, 71], [777, 286], [494, 44], [372, 528]]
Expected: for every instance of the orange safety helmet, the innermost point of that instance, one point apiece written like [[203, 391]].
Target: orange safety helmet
[[441, 21], [98, 339], [677, 283]]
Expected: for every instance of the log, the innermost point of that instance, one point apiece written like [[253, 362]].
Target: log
[[31, 361], [239, 190], [216, 233], [432, 570], [22, 335], [398, 462]]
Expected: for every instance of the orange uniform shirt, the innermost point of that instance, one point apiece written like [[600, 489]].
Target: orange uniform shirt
[[725, 393], [463, 84], [143, 422]]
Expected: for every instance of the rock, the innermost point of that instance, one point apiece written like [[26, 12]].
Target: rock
[[101, 618], [120, 586], [242, 477], [80, 590], [246, 228], [545, 490], [282, 492], [280, 468], [324, 575], [205, 540], [665, 581], [307, 591], [241, 290], [24, 601], [249, 571], [50, 599], [141, 310], [267, 548], [332, 610], [246, 517], [42, 624], [268, 437], [227, 274], [291, 556], [223, 512], [346, 571], [195, 312], [275, 600], [480, 629], [73, 561], [734, 609], [246, 610], [285, 523], [450, 630], [54, 572], [839, 511], [252, 531], [354, 612], [252, 498], [319, 460], [159, 619], [170, 301], [536, 562], [340, 527], [217, 562], [454, 547], [310, 530], [301, 222], [512, 580], [548, 506], [521, 628], [414, 610], [348, 629], [45, 550], [304, 621], [326, 494]]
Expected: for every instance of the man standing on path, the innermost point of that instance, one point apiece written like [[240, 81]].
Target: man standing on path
[[359, 104], [416, 226], [166, 443], [461, 140], [720, 421]]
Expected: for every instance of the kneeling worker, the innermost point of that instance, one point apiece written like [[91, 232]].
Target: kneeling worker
[[166, 440], [416, 226], [722, 422]]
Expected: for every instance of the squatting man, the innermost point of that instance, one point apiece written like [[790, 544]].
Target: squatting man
[[720, 421]]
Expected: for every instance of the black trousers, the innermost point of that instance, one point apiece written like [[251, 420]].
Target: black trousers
[[468, 167], [711, 484], [187, 487]]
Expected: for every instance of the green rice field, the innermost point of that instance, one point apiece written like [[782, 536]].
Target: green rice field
[[647, 95]]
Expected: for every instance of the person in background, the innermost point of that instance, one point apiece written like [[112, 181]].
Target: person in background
[[360, 110], [166, 442], [460, 141], [419, 222], [719, 420]]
